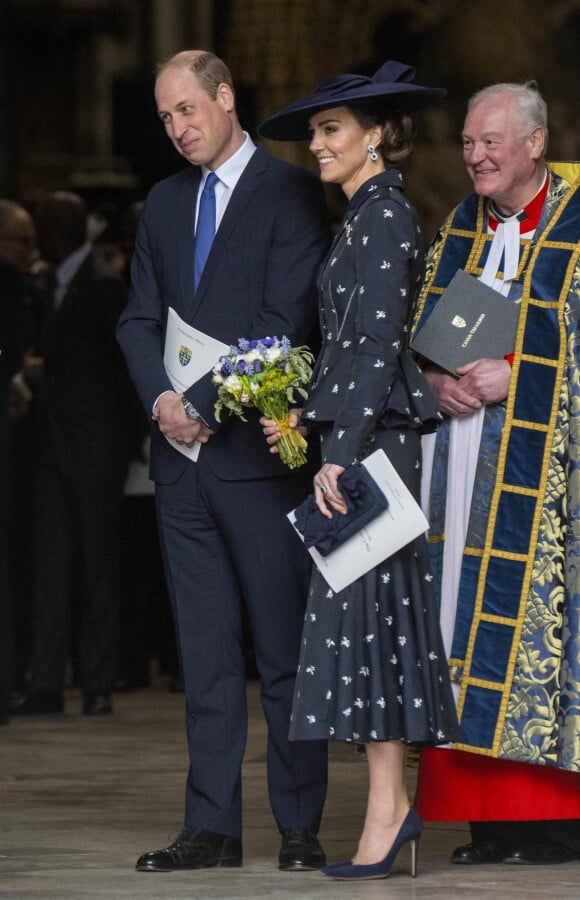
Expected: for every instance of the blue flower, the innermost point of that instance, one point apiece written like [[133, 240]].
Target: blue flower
[[241, 366], [258, 366]]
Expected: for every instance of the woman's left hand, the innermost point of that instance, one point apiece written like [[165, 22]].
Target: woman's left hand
[[326, 490]]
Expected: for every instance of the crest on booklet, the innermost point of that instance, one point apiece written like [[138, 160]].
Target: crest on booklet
[[184, 355]]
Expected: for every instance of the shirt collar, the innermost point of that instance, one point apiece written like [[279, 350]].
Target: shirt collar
[[69, 267], [529, 216], [230, 171]]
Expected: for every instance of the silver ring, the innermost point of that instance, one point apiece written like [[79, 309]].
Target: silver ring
[[324, 489]]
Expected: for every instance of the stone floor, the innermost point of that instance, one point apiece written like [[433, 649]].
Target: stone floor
[[81, 798]]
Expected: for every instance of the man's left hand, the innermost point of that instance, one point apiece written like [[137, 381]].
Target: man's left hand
[[486, 379]]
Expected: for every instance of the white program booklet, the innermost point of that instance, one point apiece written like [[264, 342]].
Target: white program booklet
[[189, 355], [397, 526]]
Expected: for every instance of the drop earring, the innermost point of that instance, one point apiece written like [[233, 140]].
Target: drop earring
[[372, 152]]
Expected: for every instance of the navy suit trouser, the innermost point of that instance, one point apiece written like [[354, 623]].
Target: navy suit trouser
[[226, 544]]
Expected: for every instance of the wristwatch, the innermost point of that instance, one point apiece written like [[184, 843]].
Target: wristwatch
[[190, 410]]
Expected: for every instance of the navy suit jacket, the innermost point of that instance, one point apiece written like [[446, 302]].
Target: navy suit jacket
[[259, 281], [85, 395]]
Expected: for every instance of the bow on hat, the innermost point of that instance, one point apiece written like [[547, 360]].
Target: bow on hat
[[393, 83]]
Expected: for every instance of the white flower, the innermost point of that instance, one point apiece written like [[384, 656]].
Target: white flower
[[380, 364], [358, 702], [365, 239], [364, 670], [340, 289], [310, 669], [417, 702], [367, 411], [369, 637], [394, 659], [405, 601], [381, 314], [346, 712], [352, 386], [340, 433], [385, 264], [388, 213], [381, 702], [346, 344], [345, 642], [373, 735], [386, 577], [329, 695], [334, 389], [433, 655], [330, 643], [405, 245], [347, 679], [401, 640], [311, 719]]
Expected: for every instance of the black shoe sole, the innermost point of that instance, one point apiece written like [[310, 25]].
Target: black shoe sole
[[211, 864]]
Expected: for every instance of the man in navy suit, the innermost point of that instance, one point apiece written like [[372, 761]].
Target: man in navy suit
[[84, 436], [222, 519]]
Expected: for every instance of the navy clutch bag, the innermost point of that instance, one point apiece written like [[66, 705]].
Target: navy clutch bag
[[364, 500]]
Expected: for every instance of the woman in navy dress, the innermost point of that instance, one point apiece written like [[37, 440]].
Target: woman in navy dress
[[372, 667]]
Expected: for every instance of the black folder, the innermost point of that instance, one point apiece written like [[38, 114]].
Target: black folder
[[469, 321]]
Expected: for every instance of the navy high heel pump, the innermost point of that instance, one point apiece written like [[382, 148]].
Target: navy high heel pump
[[409, 833]]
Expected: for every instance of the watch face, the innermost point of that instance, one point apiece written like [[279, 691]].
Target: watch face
[[189, 408]]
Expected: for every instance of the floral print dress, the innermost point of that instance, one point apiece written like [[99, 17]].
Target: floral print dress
[[372, 664]]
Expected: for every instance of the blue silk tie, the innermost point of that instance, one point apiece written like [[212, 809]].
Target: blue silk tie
[[205, 231]]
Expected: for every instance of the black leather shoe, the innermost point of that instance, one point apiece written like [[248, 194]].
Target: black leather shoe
[[42, 703], [540, 855], [97, 704], [194, 848], [479, 852], [300, 851]]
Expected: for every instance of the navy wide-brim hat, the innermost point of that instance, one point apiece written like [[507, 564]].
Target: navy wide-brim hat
[[392, 84]]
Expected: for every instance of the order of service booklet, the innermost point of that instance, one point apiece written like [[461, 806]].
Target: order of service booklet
[[397, 526], [469, 321], [189, 355]]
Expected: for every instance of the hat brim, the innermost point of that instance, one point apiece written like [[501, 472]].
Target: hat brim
[[292, 122]]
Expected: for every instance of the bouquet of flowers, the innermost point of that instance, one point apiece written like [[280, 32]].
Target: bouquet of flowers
[[266, 374]]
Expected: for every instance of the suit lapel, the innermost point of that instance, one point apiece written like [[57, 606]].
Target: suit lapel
[[247, 185], [73, 292], [186, 238]]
